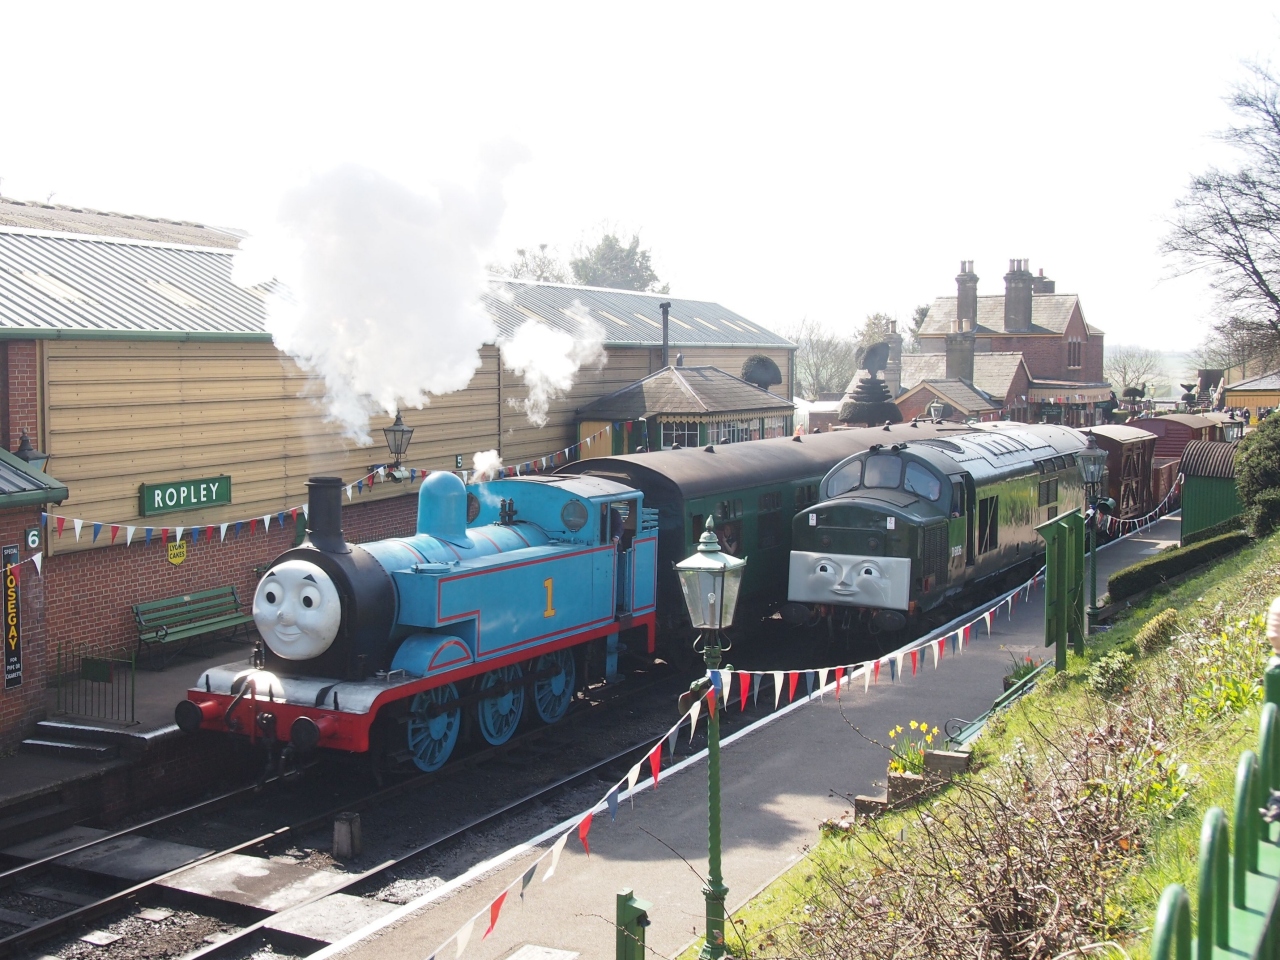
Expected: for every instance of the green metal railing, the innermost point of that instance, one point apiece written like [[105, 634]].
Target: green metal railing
[[1239, 913], [98, 687]]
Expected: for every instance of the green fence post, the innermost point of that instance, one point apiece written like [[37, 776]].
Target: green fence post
[[1271, 681], [1172, 937], [1056, 612], [1215, 885], [632, 918], [1073, 523], [1244, 827], [1268, 744]]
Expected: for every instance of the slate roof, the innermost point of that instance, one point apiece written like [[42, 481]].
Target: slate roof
[[628, 317], [1050, 313], [993, 373], [1265, 381], [64, 219], [692, 392], [960, 395], [22, 485]]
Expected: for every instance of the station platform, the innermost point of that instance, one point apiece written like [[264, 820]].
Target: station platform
[[779, 781]]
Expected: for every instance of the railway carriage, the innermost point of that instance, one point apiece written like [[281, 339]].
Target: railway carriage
[[385, 644], [902, 527]]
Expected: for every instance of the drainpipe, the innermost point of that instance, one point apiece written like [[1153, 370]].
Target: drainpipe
[[666, 339]]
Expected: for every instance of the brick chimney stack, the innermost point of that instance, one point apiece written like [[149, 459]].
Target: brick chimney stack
[[1017, 297], [1042, 284], [966, 298]]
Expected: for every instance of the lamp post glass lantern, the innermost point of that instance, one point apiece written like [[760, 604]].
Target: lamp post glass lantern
[[397, 439], [710, 580], [26, 451]]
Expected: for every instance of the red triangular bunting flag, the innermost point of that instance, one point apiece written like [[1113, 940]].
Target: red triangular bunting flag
[[495, 908], [253, 525], [655, 762], [744, 685], [875, 672], [115, 529], [711, 702], [966, 634], [208, 534], [839, 677], [293, 514], [164, 534], [915, 659], [942, 646], [61, 521], [585, 827], [15, 570], [792, 679]]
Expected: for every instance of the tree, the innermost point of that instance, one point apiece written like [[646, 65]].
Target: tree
[[823, 360], [1228, 223], [1129, 366], [875, 329], [918, 316], [533, 266], [1258, 476], [610, 264]]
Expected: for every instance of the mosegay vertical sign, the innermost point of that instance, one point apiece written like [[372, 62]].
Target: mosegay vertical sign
[[12, 620], [183, 495]]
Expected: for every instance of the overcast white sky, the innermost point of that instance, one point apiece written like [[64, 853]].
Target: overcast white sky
[[785, 160]]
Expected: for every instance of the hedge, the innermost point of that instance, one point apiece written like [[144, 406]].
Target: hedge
[[1155, 571], [1217, 530]]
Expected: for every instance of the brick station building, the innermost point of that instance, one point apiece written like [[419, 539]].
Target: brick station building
[[1029, 350], [130, 357]]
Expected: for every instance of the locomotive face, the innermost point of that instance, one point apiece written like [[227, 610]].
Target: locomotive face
[[297, 610], [849, 581]]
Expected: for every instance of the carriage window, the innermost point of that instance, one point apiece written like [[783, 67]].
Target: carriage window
[[1048, 492], [883, 471], [921, 481], [805, 495], [988, 524], [847, 478], [770, 529]]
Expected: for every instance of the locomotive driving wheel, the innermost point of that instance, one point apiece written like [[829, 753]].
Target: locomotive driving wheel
[[500, 715], [552, 695], [433, 733]]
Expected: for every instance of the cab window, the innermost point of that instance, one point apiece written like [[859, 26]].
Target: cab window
[[848, 477], [882, 471], [921, 481]]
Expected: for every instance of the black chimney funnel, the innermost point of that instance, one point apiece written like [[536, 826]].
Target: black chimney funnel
[[666, 340], [324, 515]]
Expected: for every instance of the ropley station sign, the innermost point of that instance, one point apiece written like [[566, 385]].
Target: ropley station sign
[[183, 495]]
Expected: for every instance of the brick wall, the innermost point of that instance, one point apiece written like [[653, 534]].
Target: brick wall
[[83, 600], [24, 392]]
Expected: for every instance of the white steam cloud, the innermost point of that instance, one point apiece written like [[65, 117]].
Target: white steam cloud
[[379, 287], [548, 360], [487, 465]]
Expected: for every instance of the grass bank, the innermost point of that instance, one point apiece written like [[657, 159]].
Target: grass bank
[[1084, 802]]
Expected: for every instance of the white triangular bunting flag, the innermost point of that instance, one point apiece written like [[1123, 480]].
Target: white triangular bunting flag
[[726, 681], [555, 857], [672, 735], [349, 486], [633, 777], [693, 717], [464, 935], [37, 559], [777, 688], [178, 534], [128, 535], [866, 677], [222, 533], [382, 471], [266, 522], [78, 524], [934, 647], [822, 680], [901, 657]]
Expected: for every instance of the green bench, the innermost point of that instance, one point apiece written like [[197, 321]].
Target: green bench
[[166, 627]]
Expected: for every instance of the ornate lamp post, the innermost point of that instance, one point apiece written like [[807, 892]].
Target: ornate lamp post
[[1093, 464], [710, 580], [26, 451], [398, 437]]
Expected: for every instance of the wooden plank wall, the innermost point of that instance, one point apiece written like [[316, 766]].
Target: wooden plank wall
[[118, 414]]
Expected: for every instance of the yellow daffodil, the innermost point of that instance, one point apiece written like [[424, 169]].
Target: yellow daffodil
[[914, 724], [935, 731], [899, 728], [928, 738], [892, 734]]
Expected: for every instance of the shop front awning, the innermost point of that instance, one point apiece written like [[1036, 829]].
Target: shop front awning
[[1066, 392]]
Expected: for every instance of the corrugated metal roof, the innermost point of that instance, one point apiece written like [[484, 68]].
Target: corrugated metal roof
[[1050, 313], [22, 485], [1264, 381], [53, 284], [628, 317], [685, 391], [1210, 458]]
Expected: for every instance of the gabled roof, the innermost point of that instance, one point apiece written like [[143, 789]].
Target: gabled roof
[[32, 215], [1050, 313], [628, 317], [693, 392], [957, 393], [1264, 381], [993, 373]]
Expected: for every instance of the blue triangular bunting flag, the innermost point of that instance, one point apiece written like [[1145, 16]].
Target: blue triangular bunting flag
[[239, 527], [147, 532], [97, 529], [280, 517], [612, 800], [360, 486]]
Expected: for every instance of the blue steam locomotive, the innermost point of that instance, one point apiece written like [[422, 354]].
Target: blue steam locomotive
[[382, 646]]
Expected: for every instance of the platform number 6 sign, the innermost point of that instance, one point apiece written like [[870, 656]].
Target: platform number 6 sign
[[32, 538]]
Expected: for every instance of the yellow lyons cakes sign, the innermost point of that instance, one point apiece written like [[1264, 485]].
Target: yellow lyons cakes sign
[[12, 621], [179, 495]]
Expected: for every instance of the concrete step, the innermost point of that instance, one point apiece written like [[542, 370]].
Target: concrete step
[[82, 732], [70, 750], [37, 822]]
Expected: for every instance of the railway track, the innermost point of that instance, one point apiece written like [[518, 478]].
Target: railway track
[[179, 890]]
